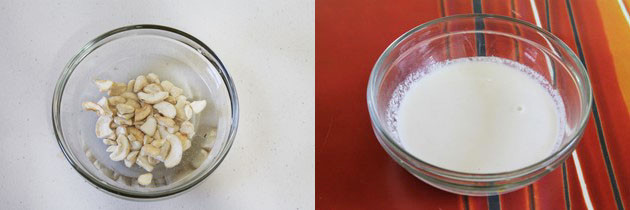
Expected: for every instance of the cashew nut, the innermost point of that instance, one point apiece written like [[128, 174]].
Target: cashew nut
[[199, 158], [152, 160], [122, 150], [166, 109], [109, 142], [152, 88], [149, 150], [183, 139], [145, 179], [143, 112], [153, 78], [117, 89], [187, 128], [115, 100], [103, 85], [111, 148], [138, 135], [143, 162], [164, 121], [140, 82], [188, 111], [163, 151], [130, 85], [124, 109], [173, 129], [175, 154], [131, 158], [147, 140], [175, 91], [179, 108], [91, 106], [122, 121], [102, 127], [149, 126], [167, 85], [198, 106], [171, 99], [135, 145], [129, 96], [121, 130], [152, 98], [158, 142], [103, 102]]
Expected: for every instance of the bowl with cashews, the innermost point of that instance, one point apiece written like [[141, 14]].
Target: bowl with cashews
[[145, 112]]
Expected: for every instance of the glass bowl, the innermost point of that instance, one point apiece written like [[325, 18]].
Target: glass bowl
[[121, 55], [474, 35]]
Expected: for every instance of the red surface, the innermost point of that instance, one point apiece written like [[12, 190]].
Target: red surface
[[354, 172]]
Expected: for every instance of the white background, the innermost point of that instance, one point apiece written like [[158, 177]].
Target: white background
[[267, 46]]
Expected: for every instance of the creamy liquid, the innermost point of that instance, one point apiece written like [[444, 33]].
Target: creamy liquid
[[479, 115]]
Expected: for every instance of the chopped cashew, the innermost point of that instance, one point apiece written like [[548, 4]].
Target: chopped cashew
[[188, 111], [91, 106], [126, 116], [153, 78], [175, 154], [115, 100], [152, 88], [129, 96], [164, 121], [163, 151], [162, 130], [166, 109], [167, 85], [199, 158], [103, 85], [198, 106], [143, 162], [187, 128], [131, 158], [173, 129], [149, 150], [117, 89], [158, 142], [153, 98], [152, 160], [109, 142], [130, 85], [122, 150], [103, 102], [122, 121], [147, 140], [175, 91], [145, 179], [121, 130], [136, 145], [111, 148], [133, 104], [171, 100], [124, 109], [139, 135], [149, 126], [102, 127], [143, 112], [140, 82]]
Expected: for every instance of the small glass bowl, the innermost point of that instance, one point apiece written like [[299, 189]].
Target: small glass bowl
[[469, 36], [121, 55]]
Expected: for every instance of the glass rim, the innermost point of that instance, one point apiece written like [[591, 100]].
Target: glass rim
[[585, 91], [204, 51]]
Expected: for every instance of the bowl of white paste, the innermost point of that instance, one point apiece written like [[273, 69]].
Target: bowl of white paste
[[479, 104]]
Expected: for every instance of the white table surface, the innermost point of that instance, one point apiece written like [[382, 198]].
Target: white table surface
[[267, 46]]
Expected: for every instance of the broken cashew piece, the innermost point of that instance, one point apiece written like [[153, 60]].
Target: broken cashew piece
[[140, 82], [143, 112], [91, 106], [117, 89], [187, 128], [145, 179], [102, 127], [198, 106], [103, 85], [143, 162], [175, 154], [166, 109], [122, 150], [131, 158], [164, 121], [152, 88], [152, 98], [149, 126], [153, 78]]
